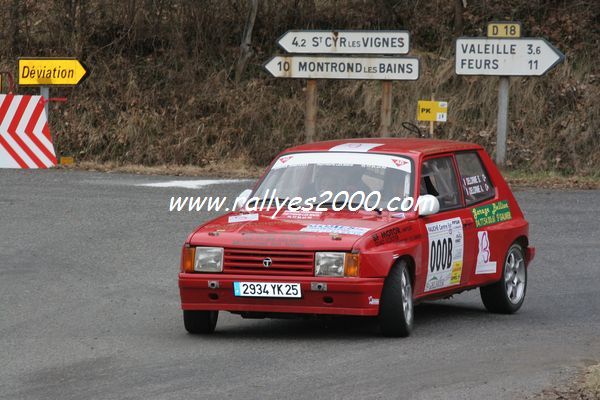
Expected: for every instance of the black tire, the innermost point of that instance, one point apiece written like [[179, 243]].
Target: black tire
[[496, 297], [200, 322], [395, 319]]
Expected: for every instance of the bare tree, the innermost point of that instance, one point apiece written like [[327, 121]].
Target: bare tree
[[246, 46]]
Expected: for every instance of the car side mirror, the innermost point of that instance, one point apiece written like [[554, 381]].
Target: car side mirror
[[428, 205], [241, 200]]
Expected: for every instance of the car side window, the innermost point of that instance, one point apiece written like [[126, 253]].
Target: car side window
[[438, 179], [475, 180]]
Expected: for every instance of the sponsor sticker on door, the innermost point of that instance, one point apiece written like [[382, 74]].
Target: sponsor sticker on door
[[484, 265], [492, 214], [446, 242]]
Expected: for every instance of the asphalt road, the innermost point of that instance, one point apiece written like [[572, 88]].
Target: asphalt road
[[89, 309]]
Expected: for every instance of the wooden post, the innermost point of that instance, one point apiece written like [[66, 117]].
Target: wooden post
[[310, 116], [432, 123], [502, 123], [386, 108]]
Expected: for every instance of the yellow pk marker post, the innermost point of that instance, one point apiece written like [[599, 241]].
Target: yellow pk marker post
[[436, 111], [510, 29], [432, 111]]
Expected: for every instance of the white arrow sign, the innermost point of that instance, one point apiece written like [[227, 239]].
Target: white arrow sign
[[324, 67], [505, 57], [345, 42]]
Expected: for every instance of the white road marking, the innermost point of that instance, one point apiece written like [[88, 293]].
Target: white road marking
[[198, 184]]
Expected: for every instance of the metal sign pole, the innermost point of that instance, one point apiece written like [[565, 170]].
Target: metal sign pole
[[310, 116], [45, 93], [386, 108], [431, 123], [502, 123]]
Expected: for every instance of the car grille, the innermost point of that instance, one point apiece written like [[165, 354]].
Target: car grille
[[250, 261]]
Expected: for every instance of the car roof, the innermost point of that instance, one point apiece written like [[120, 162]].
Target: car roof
[[392, 145]]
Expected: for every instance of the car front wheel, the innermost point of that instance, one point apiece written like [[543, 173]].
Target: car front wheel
[[396, 308], [198, 322], [507, 295]]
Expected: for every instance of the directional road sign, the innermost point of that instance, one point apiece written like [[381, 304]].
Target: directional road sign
[[51, 72], [505, 57], [345, 42], [328, 67]]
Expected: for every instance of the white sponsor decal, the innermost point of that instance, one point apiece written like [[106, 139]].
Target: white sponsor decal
[[242, 218], [373, 300], [344, 159], [446, 242], [301, 214], [400, 215], [342, 229], [484, 265], [355, 147]]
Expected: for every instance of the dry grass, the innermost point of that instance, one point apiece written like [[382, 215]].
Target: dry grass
[[551, 180], [242, 168], [592, 381], [161, 92], [584, 386], [234, 169]]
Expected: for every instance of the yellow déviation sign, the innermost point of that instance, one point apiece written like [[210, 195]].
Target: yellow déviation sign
[[504, 29], [51, 72], [436, 111]]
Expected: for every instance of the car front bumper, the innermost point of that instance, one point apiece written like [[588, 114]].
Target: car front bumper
[[343, 296]]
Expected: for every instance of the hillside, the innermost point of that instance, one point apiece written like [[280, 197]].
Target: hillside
[[162, 87]]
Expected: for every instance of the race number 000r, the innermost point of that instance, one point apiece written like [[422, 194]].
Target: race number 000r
[[440, 254]]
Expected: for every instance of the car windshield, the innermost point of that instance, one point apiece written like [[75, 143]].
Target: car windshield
[[307, 175]]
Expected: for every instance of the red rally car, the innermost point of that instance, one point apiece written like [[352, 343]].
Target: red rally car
[[354, 244]]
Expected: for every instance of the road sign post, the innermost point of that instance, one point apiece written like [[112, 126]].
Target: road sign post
[[386, 108], [45, 93], [319, 58], [502, 122], [504, 57], [45, 72], [432, 123], [310, 116]]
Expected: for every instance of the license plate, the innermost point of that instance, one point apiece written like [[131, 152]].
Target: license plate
[[267, 289]]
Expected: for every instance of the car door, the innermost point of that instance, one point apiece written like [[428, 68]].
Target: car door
[[449, 254], [478, 192]]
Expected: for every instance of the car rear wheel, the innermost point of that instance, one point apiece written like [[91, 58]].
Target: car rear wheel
[[507, 295], [198, 322], [396, 307]]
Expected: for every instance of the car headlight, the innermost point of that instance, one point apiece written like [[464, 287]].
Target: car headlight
[[336, 264], [209, 259]]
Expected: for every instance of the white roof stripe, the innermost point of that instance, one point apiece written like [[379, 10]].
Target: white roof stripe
[[344, 158]]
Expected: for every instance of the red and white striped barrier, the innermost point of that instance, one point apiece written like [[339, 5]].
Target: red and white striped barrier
[[25, 140]]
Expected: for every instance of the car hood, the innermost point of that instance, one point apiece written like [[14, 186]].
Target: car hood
[[328, 230]]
